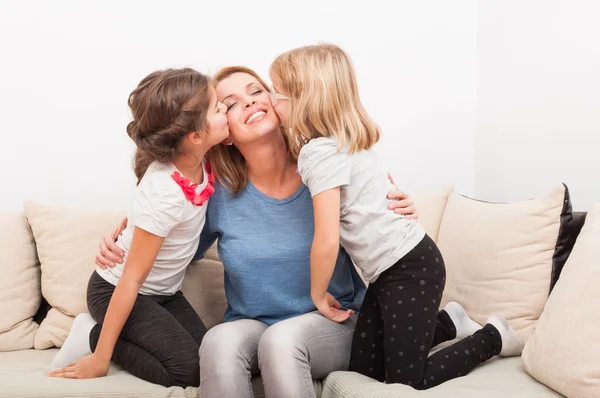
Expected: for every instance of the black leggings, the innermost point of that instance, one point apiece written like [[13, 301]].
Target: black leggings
[[399, 323], [160, 340]]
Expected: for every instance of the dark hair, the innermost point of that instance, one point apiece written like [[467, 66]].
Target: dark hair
[[166, 106]]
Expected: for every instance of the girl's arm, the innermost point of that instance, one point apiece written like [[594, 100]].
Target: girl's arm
[[141, 257], [324, 253]]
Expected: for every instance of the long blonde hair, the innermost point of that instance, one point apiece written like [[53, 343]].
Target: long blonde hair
[[324, 100]]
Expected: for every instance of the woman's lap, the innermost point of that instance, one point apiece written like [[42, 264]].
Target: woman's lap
[[289, 354]]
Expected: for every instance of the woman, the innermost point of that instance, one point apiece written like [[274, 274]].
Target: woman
[[262, 215]]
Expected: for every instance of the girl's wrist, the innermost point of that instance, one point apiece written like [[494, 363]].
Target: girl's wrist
[[102, 357], [317, 297]]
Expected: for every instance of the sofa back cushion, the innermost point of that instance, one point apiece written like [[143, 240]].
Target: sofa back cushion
[[499, 257], [67, 241], [564, 350], [430, 205], [203, 288], [20, 283]]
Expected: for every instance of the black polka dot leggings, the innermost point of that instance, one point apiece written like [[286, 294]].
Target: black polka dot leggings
[[399, 323]]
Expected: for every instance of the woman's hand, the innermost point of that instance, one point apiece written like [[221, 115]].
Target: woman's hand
[[401, 203], [88, 367], [332, 309], [110, 254]]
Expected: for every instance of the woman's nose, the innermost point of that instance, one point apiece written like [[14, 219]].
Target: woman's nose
[[249, 102]]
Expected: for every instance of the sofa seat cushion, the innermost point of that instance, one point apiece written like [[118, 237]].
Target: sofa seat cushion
[[498, 378], [24, 374]]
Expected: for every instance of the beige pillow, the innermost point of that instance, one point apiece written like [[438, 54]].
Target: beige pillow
[[564, 351], [499, 256], [430, 207], [67, 241], [20, 294], [203, 287]]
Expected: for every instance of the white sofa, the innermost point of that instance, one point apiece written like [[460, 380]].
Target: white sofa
[[36, 310]]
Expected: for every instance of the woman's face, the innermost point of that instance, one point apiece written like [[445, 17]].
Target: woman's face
[[249, 110]]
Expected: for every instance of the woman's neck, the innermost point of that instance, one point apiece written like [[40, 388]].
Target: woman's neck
[[270, 168]]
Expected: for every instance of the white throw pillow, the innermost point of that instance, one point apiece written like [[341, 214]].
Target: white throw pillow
[[430, 206], [67, 242], [499, 256], [564, 350], [20, 294]]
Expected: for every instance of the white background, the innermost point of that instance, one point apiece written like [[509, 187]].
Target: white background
[[538, 99], [499, 98]]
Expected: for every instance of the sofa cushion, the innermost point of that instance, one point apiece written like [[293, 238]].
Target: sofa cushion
[[203, 287], [24, 374], [430, 206], [566, 244], [498, 378], [563, 352], [67, 241], [499, 257], [60, 230], [20, 283]]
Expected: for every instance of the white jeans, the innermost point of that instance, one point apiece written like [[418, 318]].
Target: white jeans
[[288, 355]]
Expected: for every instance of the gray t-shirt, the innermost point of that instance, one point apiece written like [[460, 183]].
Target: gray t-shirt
[[374, 236]]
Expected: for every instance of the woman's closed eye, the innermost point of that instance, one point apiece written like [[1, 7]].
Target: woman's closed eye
[[254, 92]]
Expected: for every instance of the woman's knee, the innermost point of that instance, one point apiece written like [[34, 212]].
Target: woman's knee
[[225, 347], [280, 345], [217, 346]]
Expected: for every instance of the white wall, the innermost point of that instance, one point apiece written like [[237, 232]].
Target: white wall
[[538, 96], [68, 67]]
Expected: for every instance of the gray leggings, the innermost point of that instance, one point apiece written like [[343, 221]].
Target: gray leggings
[[160, 340]]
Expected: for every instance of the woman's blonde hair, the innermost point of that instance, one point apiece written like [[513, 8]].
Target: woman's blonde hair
[[324, 100], [227, 161]]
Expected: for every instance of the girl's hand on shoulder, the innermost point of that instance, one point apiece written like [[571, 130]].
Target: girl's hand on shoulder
[[331, 309], [88, 367]]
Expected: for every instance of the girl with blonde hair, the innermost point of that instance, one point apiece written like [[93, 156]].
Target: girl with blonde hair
[[332, 136]]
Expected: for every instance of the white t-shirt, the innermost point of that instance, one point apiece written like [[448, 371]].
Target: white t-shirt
[[161, 208], [374, 236]]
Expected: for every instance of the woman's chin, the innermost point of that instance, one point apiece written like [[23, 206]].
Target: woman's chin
[[266, 127]]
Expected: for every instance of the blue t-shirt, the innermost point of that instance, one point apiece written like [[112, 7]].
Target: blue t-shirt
[[264, 244]]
